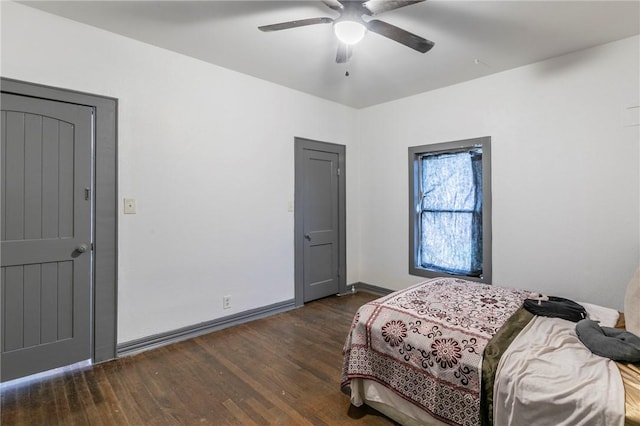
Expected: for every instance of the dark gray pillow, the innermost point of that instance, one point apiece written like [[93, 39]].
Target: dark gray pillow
[[612, 343]]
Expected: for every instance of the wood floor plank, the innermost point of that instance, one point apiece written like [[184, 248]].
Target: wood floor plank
[[271, 415], [86, 400], [110, 399], [265, 388], [37, 392], [280, 370], [77, 414], [240, 415], [115, 373]]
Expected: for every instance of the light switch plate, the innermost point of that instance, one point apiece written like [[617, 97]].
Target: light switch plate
[[129, 206]]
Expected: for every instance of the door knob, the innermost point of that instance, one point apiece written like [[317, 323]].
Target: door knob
[[308, 237], [82, 248]]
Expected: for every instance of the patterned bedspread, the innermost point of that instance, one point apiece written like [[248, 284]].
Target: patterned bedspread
[[426, 342]]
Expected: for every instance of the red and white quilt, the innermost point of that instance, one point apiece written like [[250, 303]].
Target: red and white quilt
[[426, 342]]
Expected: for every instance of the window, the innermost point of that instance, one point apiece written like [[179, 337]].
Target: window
[[450, 209]]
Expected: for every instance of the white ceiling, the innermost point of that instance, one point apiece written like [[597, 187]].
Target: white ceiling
[[472, 39]]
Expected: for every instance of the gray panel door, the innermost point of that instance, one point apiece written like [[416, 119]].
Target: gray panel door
[[320, 216], [46, 235]]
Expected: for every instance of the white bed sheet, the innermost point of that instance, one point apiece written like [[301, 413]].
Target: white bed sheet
[[548, 377]]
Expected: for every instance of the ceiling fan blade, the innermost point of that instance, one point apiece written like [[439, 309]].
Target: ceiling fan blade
[[295, 24], [401, 36], [344, 53], [333, 4], [378, 6]]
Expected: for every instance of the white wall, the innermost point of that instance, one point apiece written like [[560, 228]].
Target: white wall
[[564, 169], [208, 154]]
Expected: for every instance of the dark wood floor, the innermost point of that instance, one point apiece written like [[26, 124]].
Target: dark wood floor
[[281, 370]]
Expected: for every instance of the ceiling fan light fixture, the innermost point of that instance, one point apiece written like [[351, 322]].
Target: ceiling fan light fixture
[[349, 32]]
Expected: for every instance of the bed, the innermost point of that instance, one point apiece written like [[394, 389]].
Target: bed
[[455, 352]]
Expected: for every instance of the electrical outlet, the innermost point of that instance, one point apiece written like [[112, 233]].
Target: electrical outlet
[[226, 302]]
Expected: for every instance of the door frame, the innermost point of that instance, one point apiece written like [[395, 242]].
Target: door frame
[[302, 144], [104, 290]]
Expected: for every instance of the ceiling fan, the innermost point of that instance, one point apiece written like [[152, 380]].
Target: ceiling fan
[[350, 27]]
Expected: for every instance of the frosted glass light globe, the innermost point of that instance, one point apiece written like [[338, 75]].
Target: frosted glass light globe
[[349, 32]]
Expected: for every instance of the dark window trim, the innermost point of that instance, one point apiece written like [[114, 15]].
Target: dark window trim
[[461, 145]]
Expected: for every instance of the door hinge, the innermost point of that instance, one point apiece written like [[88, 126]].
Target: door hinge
[[87, 194], [338, 172]]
